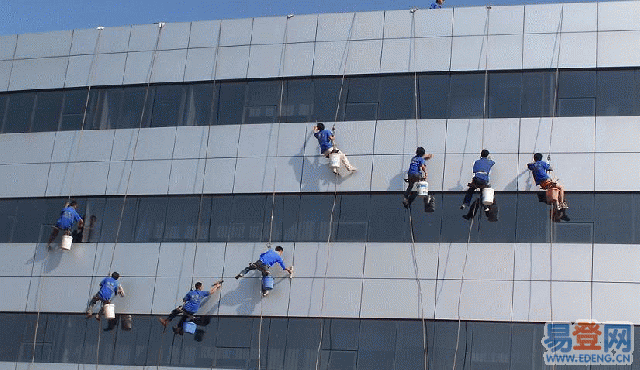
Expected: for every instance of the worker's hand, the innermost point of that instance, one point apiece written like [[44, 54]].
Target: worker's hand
[[218, 284], [289, 270], [428, 156], [121, 291]]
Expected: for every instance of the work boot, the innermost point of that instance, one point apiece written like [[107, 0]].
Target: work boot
[[177, 330], [405, 203], [164, 322], [466, 217], [265, 293], [352, 169], [463, 206], [89, 314], [335, 170], [564, 216], [239, 276], [564, 205]]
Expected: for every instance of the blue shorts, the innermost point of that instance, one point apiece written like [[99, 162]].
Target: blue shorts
[[63, 225]]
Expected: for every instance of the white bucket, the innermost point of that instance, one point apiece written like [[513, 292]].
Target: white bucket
[[66, 242], [423, 188], [335, 160], [109, 311], [487, 196]]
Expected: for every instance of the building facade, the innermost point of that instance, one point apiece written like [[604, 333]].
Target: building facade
[[189, 149]]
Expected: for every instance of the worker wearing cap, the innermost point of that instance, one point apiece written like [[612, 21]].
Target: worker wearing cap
[[109, 286], [192, 301]]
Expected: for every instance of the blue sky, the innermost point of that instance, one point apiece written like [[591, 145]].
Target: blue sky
[[31, 16]]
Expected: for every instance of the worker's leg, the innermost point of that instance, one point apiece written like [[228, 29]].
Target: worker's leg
[[560, 195], [409, 194], [92, 303], [252, 266], [176, 311], [468, 195], [345, 162], [52, 237]]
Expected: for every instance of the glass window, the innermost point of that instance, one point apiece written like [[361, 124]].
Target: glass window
[[397, 97], [150, 219], [297, 104], [313, 221], [247, 218], [92, 213], [231, 103], [388, 220], [576, 93], [505, 91], [325, 99], [377, 344], [133, 106], [8, 220], [488, 345], [215, 214], [108, 104], [434, 95], [46, 116], [618, 93], [351, 218], [467, 95], [19, 112], [235, 332], [362, 98], [532, 218], [576, 107], [35, 218], [341, 334], [443, 347], [4, 98], [538, 93], [199, 109], [285, 218], [302, 342], [410, 345], [112, 222], [263, 99], [426, 225], [168, 105], [74, 108], [182, 218]]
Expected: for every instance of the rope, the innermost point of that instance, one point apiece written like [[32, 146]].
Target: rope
[[275, 173], [335, 190]]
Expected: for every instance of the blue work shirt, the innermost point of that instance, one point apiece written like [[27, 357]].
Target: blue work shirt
[[68, 217], [193, 300], [482, 167], [415, 167], [108, 287], [324, 140], [435, 6], [272, 257], [539, 171]]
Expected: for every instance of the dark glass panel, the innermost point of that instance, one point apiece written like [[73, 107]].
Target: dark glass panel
[[115, 227], [73, 112], [341, 335], [350, 222], [505, 91], [533, 218], [377, 344], [488, 345], [263, 100], [426, 225], [235, 332], [297, 105], [150, 220], [219, 215], [467, 95], [576, 107], [360, 111], [231, 103], [107, 111], [19, 112], [577, 84], [434, 95], [8, 220], [538, 94], [388, 220], [362, 98], [302, 343], [247, 218], [35, 219], [285, 218], [325, 99], [443, 348], [410, 342], [397, 97], [199, 108], [182, 218], [618, 93], [168, 105], [134, 114], [313, 221], [92, 213], [4, 98], [46, 116]]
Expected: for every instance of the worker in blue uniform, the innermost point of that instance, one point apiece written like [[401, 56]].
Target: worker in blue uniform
[[325, 140], [481, 169], [539, 170], [437, 4], [417, 171], [192, 301], [109, 287], [68, 217], [266, 260]]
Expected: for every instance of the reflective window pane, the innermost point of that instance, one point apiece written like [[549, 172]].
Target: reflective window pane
[[74, 108], [150, 220], [182, 218], [19, 112], [313, 222], [538, 93], [231, 103], [397, 97], [377, 345], [362, 98], [285, 218], [8, 220], [618, 93], [434, 95], [297, 105], [263, 100], [388, 220], [576, 84], [350, 218], [505, 91], [325, 99], [46, 116], [108, 105], [168, 105], [199, 108], [4, 98], [246, 221], [115, 227], [133, 107], [467, 96]]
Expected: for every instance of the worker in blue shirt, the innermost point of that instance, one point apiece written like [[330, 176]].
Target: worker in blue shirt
[[192, 301], [109, 286], [539, 169], [437, 4], [417, 171], [266, 260], [481, 169], [68, 217], [325, 139]]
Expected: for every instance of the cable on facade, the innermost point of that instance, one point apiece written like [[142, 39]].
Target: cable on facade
[[344, 61]]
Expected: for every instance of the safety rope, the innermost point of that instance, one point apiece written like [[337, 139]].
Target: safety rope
[[344, 60], [275, 170], [479, 206]]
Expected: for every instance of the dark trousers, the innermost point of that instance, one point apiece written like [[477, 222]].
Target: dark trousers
[[409, 194], [258, 265], [186, 315], [473, 185], [94, 300]]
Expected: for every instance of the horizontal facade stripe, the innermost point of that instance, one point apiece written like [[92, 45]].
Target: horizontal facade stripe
[[358, 217], [289, 343], [455, 95]]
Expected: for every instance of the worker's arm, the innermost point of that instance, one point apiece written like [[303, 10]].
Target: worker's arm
[[120, 291], [215, 287], [428, 156]]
